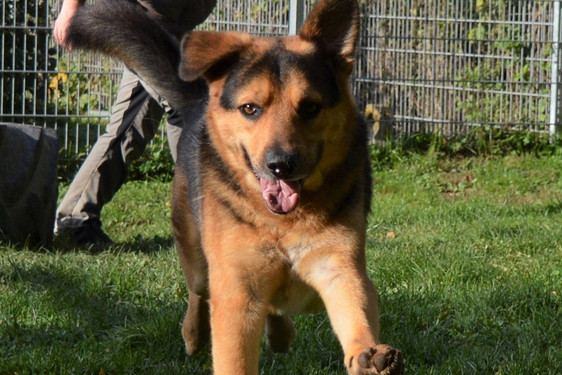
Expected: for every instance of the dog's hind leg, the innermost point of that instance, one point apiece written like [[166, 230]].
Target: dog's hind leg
[[196, 324], [280, 332], [196, 329]]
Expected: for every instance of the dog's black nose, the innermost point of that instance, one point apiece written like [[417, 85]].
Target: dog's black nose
[[281, 164]]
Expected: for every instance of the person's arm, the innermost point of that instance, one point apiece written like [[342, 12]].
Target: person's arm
[[68, 10]]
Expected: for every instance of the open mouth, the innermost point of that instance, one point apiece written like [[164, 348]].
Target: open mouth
[[280, 196]]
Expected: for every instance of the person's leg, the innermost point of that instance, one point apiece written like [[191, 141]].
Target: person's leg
[[134, 119], [174, 126]]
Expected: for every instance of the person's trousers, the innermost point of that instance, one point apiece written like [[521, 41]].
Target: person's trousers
[[133, 123]]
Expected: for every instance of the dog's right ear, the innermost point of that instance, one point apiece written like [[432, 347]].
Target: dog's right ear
[[208, 54]]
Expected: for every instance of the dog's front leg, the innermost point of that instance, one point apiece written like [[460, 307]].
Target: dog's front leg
[[237, 322], [242, 282], [351, 301]]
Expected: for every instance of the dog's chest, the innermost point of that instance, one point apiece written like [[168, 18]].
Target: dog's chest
[[296, 297]]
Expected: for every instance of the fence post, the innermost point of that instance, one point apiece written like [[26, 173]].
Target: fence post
[[555, 77], [296, 16]]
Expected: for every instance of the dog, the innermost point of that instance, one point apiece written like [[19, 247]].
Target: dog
[[272, 183]]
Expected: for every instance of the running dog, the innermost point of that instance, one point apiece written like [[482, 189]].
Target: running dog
[[272, 184]]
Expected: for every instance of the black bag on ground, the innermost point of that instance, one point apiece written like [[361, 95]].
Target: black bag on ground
[[28, 183]]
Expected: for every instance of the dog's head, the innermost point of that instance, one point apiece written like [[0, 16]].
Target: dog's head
[[280, 108]]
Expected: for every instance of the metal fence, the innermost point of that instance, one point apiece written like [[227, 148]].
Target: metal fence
[[447, 65], [422, 65]]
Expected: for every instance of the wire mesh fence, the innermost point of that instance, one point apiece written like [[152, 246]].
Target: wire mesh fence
[[422, 65], [444, 66]]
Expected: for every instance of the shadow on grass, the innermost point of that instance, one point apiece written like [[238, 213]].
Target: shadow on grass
[[145, 245], [67, 319], [70, 322], [137, 245], [553, 208]]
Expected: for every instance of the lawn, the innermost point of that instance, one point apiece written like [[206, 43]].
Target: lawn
[[466, 253]]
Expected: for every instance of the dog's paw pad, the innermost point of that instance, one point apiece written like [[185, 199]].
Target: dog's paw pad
[[381, 360]]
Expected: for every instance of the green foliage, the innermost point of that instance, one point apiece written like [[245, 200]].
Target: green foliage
[[81, 101], [450, 65], [155, 164], [76, 93], [482, 141], [516, 72], [68, 164]]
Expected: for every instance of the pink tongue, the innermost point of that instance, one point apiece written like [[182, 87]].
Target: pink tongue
[[280, 196]]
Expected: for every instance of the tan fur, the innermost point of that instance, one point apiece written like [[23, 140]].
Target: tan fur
[[260, 266]]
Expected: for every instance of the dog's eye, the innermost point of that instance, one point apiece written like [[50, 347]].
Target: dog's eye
[[308, 110], [250, 109]]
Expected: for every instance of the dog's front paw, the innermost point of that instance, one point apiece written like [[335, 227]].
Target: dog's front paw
[[380, 360]]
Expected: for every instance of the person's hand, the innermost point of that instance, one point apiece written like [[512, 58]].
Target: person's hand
[[62, 22]]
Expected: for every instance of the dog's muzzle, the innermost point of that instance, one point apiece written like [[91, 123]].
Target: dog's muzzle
[[281, 192]]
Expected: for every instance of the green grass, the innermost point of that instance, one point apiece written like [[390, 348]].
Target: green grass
[[467, 255]]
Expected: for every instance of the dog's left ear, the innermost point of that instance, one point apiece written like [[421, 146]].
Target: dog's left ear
[[333, 25]]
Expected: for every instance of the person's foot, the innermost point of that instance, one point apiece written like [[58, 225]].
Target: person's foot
[[85, 235]]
